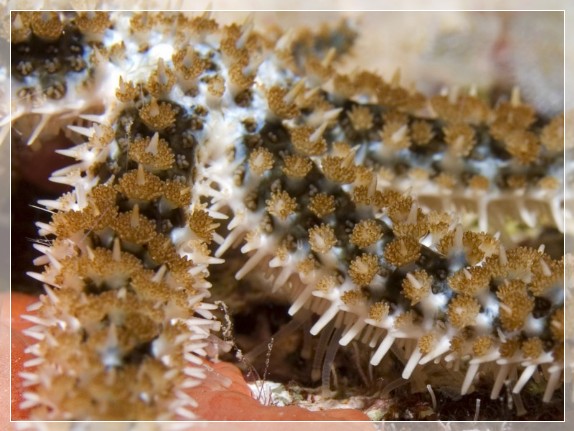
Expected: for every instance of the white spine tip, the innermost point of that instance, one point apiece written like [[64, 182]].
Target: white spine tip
[[152, 147], [382, 349], [325, 318]]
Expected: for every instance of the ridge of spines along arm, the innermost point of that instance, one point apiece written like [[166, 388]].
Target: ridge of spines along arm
[[115, 274], [460, 257]]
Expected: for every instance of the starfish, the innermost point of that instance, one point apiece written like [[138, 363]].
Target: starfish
[[210, 149]]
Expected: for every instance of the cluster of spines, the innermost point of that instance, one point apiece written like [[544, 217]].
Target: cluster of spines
[[444, 273], [363, 256], [124, 298], [48, 46], [121, 292], [413, 268], [528, 155]]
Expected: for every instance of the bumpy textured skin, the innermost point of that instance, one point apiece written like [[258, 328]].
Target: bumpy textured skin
[[342, 189]]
